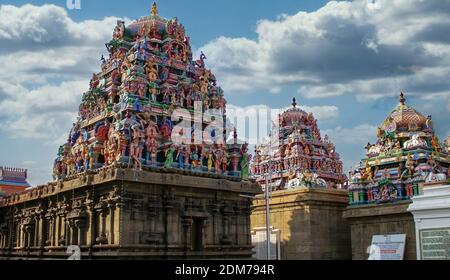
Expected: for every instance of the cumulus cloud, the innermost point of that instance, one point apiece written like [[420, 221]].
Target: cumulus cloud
[[30, 27], [47, 60], [42, 113], [350, 142], [362, 47], [357, 135]]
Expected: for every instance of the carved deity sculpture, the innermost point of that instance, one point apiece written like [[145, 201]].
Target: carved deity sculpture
[[169, 156], [409, 168], [367, 173]]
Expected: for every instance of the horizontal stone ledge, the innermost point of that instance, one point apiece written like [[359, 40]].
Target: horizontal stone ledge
[[377, 210]]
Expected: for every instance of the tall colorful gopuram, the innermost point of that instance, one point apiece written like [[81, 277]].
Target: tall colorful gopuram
[[145, 172], [153, 106], [406, 154], [296, 154]]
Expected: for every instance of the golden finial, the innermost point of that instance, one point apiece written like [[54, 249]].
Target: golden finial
[[154, 9], [402, 98]]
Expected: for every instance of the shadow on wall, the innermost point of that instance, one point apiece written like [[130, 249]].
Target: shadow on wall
[[317, 232], [310, 223]]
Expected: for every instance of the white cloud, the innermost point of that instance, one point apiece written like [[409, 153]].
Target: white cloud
[[350, 142], [368, 48], [47, 60], [358, 135], [44, 113]]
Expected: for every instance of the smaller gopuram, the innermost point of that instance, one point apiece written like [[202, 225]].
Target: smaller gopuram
[[305, 178], [12, 180], [297, 155], [407, 155]]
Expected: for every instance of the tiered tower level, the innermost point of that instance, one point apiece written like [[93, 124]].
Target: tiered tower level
[[297, 155], [126, 117], [407, 154], [12, 180]]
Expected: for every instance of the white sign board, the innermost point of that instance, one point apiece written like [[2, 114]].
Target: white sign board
[[260, 242], [435, 244], [387, 247]]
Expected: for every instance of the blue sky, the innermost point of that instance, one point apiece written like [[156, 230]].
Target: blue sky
[[344, 61]]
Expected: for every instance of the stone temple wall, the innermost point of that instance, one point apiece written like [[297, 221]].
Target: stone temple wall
[[310, 223], [380, 219], [124, 213]]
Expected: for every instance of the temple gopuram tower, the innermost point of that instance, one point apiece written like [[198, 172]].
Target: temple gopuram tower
[[145, 171], [305, 179], [297, 155], [406, 156]]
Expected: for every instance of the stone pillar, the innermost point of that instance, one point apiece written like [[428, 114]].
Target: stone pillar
[[37, 223], [111, 223], [227, 212], [215, 210], [54, 238], [101, 239], [41, 230], [90, 234], [59, 231], [18, 235], [170, 231], [28, 240], [79, 226], [187, 226], [67, 232]]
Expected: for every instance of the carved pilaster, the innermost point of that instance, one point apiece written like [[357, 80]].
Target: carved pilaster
[[153, 208], [227, 212], [187, 225], [170, 205]]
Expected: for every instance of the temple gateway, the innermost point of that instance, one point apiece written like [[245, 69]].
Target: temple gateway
[[145, 171]]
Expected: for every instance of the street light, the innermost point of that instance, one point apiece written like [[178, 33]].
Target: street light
[[266, 190], [267, 197]]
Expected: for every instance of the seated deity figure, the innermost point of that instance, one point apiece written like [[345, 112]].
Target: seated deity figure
[[414, 141]]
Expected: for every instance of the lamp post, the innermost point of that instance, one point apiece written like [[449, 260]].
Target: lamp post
[[266, 190], [267, 197]]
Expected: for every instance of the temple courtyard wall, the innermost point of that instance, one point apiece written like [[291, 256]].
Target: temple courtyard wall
[[130, 214], [380, 219], [309, 221]]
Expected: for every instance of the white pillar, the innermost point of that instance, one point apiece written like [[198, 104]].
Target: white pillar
[[431, 213]]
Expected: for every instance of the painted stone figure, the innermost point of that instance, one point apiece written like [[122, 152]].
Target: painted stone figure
[[169, 154]]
